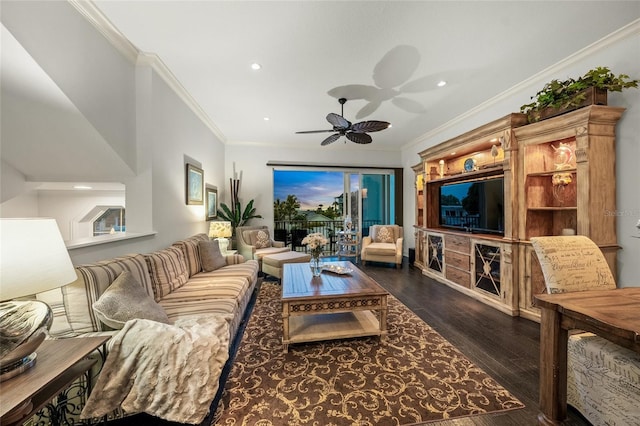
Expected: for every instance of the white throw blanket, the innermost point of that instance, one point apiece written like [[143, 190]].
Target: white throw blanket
[[169, 371]]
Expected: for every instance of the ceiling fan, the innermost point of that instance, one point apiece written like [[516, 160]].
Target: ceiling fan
[[354, 132]]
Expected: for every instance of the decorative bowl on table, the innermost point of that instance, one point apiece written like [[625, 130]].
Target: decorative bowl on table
[[337, 269]]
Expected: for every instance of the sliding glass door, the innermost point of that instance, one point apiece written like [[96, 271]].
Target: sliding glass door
[[370, 199], [320, 199]]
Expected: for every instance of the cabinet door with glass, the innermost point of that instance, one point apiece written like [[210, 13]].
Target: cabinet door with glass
[[435, 252], [486, 267]]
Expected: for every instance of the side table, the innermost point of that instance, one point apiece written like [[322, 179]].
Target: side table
[[348, 244], [58, 364]]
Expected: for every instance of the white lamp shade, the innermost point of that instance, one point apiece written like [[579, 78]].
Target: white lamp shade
[[33, 257], [220, 229]]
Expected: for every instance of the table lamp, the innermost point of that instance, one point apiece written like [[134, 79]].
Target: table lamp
[[33, 259], [220, 231]]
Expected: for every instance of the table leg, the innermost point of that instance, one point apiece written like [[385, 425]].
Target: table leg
[[285, 326], [383, 319], [553, 368]]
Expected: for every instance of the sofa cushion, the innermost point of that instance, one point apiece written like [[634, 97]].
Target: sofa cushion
[[225, 308], [248, 270], [168, 270], [124, 300], [60, 326], [210, 256], [92, 281], [191, 252], [207, 288]]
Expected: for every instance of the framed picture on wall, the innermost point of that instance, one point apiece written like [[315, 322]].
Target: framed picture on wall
[[195, 183], [212, 202]]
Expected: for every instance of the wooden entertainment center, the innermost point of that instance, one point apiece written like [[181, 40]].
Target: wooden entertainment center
[[557, 177]]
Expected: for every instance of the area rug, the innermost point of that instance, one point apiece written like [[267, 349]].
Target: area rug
[[414, 377]]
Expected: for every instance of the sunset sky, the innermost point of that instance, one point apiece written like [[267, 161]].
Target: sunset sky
[[311, 187]]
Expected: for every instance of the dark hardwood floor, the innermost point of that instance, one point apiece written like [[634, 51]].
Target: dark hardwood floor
[[505, 347]]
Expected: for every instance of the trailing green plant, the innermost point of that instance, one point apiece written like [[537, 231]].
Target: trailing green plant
[[570, 93], [238, 216]]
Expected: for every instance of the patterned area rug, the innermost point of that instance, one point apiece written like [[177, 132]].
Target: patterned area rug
[[416, 376]]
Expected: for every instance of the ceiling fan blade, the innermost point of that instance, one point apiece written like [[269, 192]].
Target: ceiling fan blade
[[315, 131], [370, 126], [361, 138], [338, 121], [330, 139]]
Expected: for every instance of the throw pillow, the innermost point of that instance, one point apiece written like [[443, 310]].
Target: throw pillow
[[168, 270], [384, 235], [262, 239], [210, 256], [124, 300]]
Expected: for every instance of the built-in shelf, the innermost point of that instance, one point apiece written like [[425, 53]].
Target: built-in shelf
[[552, 208], [476, 174], [552, 172], [106, 239]]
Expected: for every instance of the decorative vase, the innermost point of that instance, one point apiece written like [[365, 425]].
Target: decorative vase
[[316, 266]]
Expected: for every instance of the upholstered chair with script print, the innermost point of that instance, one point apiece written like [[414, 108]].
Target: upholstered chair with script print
[[603, 379]]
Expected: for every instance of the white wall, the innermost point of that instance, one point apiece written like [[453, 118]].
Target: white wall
[[257, 177], [68, 208], [134, 110], [619, 52], [16, 198]]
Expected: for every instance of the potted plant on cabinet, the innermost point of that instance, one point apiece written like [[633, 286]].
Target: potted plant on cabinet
[[558, 97]]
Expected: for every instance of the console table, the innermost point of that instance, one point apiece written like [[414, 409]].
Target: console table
[[611, 314], [59, 363]]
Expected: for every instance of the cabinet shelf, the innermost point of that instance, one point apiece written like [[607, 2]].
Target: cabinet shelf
[[489, 171], [569, 208], [572, 170]]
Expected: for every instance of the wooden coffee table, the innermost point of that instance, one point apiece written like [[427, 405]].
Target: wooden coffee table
[[331, 306]]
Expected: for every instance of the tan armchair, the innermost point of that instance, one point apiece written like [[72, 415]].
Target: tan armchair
[[255, 242], [383, 244]]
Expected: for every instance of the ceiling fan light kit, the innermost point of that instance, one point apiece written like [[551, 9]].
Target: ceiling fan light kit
[[356, 133]]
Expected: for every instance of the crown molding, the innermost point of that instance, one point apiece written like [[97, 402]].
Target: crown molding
[[138, 58], [622, 33]]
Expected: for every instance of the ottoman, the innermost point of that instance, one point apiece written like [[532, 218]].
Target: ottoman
[[272, 263]]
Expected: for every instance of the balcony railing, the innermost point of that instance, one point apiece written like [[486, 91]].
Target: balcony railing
[[292, 232]]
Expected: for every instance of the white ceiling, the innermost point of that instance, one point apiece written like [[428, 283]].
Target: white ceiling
[[384, 56]]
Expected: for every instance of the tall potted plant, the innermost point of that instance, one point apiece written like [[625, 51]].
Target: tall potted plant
[[236, 214]]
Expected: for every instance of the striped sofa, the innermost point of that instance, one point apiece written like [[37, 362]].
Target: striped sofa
[[173, 276]]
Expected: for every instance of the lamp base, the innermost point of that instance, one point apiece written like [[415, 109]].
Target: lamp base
[[17, 368], [223, 243], [24, 326]]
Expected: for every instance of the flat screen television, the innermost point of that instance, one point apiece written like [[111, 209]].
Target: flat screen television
[[473, 206]]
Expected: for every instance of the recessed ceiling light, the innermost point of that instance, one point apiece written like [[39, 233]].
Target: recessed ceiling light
[[453, 153], [442, 83], [255, 66], [81, 187], [266, 118]]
